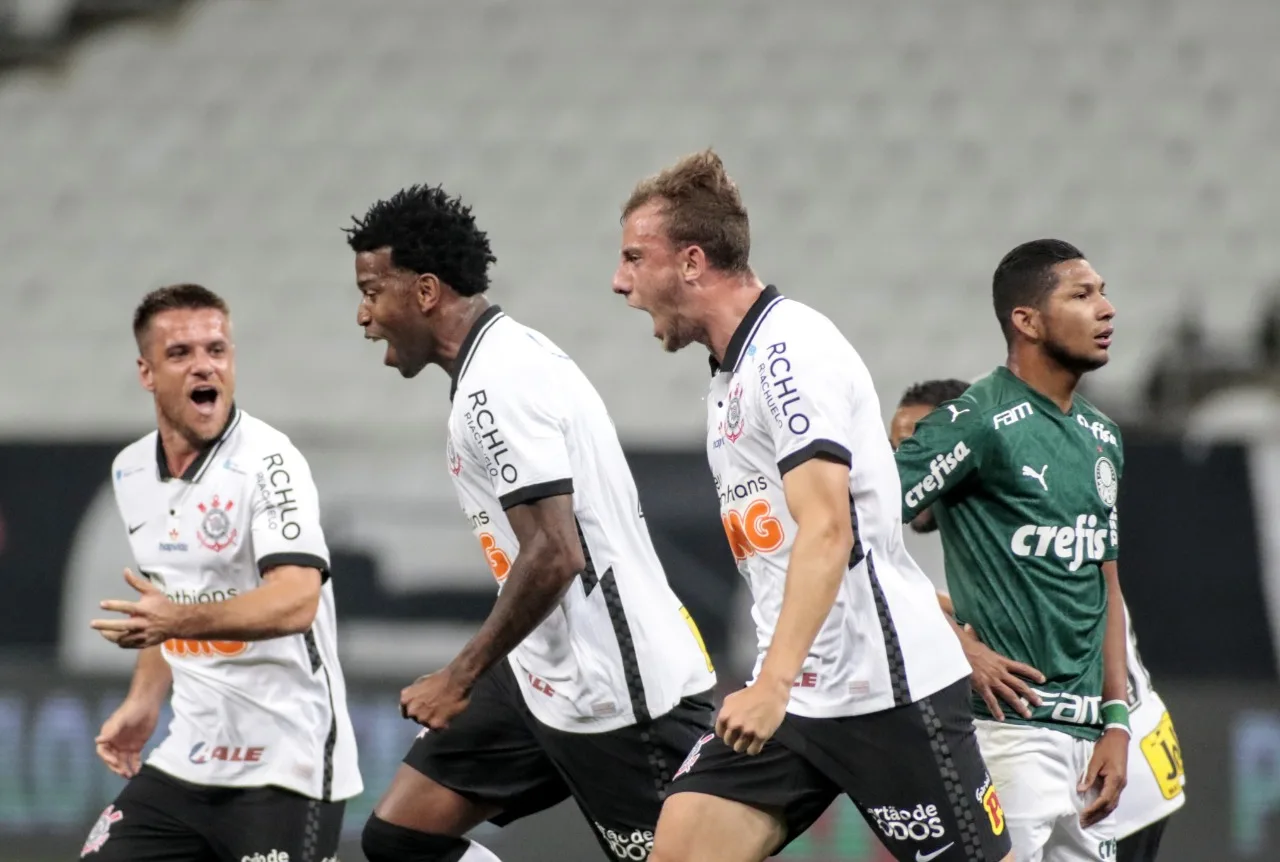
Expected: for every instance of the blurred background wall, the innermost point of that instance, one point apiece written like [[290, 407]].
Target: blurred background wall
[[889, 152]]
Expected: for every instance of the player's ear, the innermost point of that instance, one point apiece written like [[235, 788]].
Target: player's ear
[[1027, 322], [692, 262], [145, 375], [426, 291]]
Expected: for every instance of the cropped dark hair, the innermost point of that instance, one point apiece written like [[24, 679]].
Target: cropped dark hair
[[173, 298], [428, 231], [931, 393], [1025, 277]]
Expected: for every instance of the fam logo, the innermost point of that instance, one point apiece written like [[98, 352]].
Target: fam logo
[[203, 752], [216, 532], [451, 455], [1107, 481], [101, 830], [735, 422]]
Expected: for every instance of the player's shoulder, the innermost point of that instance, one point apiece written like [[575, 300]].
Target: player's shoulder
[[793, 322], [257, 442], [133, 461], [516, 361]]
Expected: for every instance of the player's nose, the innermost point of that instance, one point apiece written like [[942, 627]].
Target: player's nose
[[620, 285]]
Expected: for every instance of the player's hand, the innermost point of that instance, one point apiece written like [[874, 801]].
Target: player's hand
[[749, 717], [435, 699], [997, 678], [1107, 774], [151, 620], [119, 743]]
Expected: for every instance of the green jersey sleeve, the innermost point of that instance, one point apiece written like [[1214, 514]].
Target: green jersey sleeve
[[947, 446]]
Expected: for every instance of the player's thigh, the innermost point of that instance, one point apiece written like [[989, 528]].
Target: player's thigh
[[619, 778], [1071, 842], [730, 807], [488, 765], [917, 776], [153, 819], [1143, 845], [255, 823], [1032, 770]]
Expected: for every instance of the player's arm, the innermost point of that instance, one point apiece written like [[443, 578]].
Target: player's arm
[[947, 447], [1108, 767], [534, 485], [291, 555], [812, 450], [994, 677], [550, 558], [817, 495]]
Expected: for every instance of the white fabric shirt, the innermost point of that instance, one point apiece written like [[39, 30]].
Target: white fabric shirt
[[270, 712], [527, 424], [792, 388]]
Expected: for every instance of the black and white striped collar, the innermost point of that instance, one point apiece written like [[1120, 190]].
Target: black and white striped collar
[[196, 469], [768, 298], [469, 344]]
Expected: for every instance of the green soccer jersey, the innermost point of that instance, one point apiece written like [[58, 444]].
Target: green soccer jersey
[[1025, 500]]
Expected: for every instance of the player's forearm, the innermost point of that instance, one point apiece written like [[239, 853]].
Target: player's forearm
[[280, 607], [151, 678], [536, 584], [819, 560], [1115, 667]]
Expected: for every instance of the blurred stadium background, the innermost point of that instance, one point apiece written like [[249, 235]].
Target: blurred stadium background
[[890, 153]]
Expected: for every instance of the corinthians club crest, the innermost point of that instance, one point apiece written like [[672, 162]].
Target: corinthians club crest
[[455, 460], [216, 532], [101, 830], [734, 420]]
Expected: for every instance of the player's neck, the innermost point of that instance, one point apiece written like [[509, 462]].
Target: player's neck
[[179, 452], [1051, 379], [456, 323], [729, 301]]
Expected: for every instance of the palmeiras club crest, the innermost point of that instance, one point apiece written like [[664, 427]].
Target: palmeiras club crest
[[101, 831], [734, 420], [215, 531], [455, 460]]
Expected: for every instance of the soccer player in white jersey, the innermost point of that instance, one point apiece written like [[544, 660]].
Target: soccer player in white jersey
[[1153, 793], [860, 686], [236, 613], [588, 679]]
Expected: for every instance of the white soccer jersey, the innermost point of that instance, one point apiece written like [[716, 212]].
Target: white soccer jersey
[[1156, 777], [791, 388], [527, 424], [270, 712]]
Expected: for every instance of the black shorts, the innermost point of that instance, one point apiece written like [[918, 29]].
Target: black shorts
[[496, 751], [1143, 845], [159, 818], [914, 772]]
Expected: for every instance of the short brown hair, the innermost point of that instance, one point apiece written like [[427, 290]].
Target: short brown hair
[[702, 206], [173, 298]]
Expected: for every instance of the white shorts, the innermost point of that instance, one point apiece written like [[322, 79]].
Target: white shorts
[[1156, 780], [1036, 772]]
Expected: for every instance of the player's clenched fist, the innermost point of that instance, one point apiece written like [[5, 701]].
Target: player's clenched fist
[[433, 700], [748, 718]]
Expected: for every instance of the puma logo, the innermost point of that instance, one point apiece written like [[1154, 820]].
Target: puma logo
[[955, 414], [1039, 477]]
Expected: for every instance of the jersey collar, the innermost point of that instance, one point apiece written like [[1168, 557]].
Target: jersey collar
[[746, 329], [192, 472], [470, 343]]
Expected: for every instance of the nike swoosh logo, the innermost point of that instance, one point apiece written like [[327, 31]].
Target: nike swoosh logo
[[133, 530], [921, 856]]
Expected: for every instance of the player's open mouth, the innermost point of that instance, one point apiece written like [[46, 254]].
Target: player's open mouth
[[1103, 339], [205, 398]]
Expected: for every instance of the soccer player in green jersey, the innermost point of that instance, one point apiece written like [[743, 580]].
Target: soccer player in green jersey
[[1021, 474]]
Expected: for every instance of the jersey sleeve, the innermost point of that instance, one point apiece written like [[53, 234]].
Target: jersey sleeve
[[947, 447], [806, 403], [518, 431], [285, 520]]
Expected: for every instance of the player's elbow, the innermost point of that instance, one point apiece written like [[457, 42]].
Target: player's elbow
[[832, 532], [566, 561]]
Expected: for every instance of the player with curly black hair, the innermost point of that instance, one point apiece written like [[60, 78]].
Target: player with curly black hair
[[588, 679]]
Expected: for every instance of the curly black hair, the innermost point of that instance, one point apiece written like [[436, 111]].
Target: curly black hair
[[428, 230], [933, 393]]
